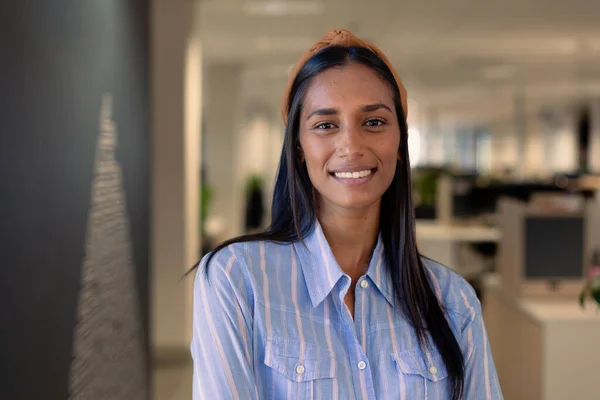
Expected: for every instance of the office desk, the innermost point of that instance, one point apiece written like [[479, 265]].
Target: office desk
[[441, 242], [544, 349]]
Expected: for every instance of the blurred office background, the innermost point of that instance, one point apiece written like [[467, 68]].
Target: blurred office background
[[138, 134]]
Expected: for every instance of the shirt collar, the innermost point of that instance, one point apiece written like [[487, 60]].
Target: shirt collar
[[379, 273], [322, 272]]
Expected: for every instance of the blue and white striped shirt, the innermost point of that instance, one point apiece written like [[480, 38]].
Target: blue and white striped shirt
[[271, 323]]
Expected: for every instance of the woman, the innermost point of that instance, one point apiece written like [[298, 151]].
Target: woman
[[333, 301]]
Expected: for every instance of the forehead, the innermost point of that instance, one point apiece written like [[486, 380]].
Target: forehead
[[350, 86]]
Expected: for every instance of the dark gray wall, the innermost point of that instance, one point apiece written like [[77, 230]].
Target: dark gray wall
[[57, 60]]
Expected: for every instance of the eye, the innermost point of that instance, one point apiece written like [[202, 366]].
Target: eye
[[324, 126], [374, 123]]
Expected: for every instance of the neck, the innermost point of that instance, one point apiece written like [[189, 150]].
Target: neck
[[352, 237]]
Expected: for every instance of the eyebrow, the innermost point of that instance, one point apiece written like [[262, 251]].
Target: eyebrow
[[323, 111], [333, 111], [375, 107]]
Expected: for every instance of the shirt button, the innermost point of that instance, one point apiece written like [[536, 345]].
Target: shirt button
[[362, 365], [364, 284], [433, 370], [300, 369]]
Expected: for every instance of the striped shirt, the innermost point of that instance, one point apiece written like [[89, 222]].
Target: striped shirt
[[271, 323]]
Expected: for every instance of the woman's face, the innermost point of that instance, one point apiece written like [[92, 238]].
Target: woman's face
[[349, 137]]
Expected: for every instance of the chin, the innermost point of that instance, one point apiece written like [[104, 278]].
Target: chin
[[356, 202]]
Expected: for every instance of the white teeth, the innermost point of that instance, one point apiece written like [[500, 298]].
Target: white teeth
[[353, 175]]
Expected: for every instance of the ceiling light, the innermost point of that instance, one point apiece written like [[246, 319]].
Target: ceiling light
[[278, 8]]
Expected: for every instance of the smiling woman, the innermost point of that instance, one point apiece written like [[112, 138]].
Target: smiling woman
[[333, 301]]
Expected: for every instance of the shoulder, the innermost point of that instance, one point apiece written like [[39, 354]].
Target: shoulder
[[245, 262], [453, 291]]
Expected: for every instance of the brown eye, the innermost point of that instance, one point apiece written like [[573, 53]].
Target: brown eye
[[374, 123], [324, 126]]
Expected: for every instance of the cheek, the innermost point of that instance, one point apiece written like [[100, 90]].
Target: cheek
[[315, 165], [389, 157], [389, 153], [316, 154]]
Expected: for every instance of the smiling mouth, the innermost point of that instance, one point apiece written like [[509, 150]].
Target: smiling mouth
[[354, 175]]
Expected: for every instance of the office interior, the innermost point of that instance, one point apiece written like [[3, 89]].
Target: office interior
[[504, 141]]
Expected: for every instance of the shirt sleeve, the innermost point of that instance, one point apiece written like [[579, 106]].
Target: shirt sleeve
[[481, 379], [221, 344]]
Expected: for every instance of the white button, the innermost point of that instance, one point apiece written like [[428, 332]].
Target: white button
[[364, 284], [362, 365], [300, 369], [433, 370]]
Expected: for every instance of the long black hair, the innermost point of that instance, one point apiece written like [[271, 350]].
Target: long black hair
[[294, 212]]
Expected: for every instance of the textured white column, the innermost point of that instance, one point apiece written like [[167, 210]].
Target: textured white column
[[107, 309], [176, 104]]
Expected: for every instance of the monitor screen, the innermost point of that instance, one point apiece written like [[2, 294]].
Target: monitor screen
[[554, 247]]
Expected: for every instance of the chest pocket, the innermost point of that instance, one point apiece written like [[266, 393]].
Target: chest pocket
[[301, 369], [423, 375]]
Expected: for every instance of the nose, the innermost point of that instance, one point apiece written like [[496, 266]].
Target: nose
[[350, 145]]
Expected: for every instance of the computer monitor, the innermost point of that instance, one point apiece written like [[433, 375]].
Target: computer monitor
[[546, 251]]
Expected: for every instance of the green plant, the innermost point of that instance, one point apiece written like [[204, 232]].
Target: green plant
[[426, 186], [253, 183], [591, 287], [206, 195]]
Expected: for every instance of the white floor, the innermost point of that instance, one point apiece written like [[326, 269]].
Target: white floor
[[173, 382]]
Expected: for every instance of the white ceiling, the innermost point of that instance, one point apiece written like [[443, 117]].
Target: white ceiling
[[466, 57]]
